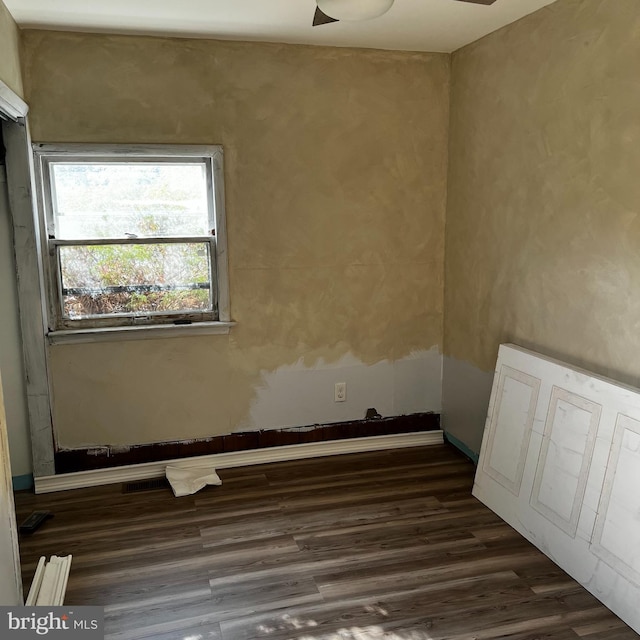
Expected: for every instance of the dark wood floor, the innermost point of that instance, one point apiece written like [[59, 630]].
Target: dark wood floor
[[387, 545]]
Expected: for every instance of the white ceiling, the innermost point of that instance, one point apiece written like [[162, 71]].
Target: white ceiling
[[410, 25]]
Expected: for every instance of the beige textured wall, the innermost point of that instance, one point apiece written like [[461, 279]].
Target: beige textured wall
[[9, 51], [543, 225], [336, 188]]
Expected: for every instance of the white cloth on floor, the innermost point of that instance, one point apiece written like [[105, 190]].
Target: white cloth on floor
[[187, 480]]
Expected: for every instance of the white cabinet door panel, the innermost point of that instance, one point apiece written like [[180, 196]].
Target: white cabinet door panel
[[617, 532], [565, 457], [510, 427]]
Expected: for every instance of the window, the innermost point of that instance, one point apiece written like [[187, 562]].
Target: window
[[132, 235]]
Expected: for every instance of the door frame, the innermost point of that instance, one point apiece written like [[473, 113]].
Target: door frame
[[11, 582], [26, 230]]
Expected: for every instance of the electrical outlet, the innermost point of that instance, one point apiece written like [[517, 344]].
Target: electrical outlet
[[340, 393]]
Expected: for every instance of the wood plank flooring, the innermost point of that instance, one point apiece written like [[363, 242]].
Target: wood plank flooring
[[385, 545]]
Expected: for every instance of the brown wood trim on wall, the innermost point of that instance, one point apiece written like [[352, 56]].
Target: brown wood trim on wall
[[72, 460]]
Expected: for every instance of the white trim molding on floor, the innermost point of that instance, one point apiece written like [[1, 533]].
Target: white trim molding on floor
[[112, 475]]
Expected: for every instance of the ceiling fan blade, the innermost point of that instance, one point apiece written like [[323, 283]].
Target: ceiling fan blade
[[478, 1], [322, 18]]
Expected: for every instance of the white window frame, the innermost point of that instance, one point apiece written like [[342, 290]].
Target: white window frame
[[131, 326]]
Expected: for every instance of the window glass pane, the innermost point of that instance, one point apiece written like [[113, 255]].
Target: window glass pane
[[120, 200], [135, 279]]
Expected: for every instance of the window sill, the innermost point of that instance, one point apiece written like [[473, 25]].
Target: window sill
[[147, 332]]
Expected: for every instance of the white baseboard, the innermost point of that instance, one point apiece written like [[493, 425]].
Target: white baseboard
[[83, 479]]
